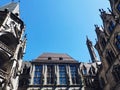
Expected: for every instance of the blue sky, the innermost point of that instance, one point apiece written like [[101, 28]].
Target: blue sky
[[60, 26]]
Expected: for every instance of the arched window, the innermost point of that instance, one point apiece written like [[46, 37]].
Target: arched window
[[118, 6], [111, 26], [116, 72], [103, 42], [118, 41], [110, 57], [102, 82]]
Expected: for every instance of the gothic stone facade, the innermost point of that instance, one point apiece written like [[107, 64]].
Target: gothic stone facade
[[12, 46], [53, 71], [108, 47], [59, 71]]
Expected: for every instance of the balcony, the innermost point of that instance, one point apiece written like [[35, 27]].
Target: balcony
[[6, 48], [8, 42], [3, 74]]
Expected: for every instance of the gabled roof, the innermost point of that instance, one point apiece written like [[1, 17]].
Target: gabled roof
[[12, 7], [88, 66], [55, 58]]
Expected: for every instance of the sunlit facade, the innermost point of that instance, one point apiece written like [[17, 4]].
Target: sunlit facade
[[12, 46], [52, 71]]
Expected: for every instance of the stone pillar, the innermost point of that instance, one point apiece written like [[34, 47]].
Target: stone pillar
[[45, 75]]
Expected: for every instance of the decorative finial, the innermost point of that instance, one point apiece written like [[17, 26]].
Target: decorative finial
[[109, 10], [96, 26], [25, 35], [86, 37]]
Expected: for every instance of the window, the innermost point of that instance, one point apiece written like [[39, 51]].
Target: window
[[73, 70], [87, 81], [116, 72], [2, 17], [50, 74], [60, 58], [102, 82], [26, 70], [38, 74], [23, 82], [118, 41], [103, 42], [92, 71], [84, 71], [118, 7], [111, 26], [49, 58], [62, 75], [110, 57]]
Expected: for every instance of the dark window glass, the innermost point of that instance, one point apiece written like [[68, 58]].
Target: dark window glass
[[73, 70], [62, 74], [84, 71], [102, 82], [118, 7], [38, 74], [60, 58], [50, 74], [2, 17], [116, 72], [118, 37], [92, 71], [103, 42], [118, 41], [37, 80], [110, 57], [111, 26], [49, 58]]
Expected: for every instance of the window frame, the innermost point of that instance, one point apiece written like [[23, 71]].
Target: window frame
[[38, 77], [111, 26], [74, 74], [50, 74], [63, 78]]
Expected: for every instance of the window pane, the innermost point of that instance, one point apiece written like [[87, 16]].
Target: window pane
[[36, 80], [73, 70], [62, 74], [84, 71], [50, 74], [111, 26], [38, 74], [118, 45], [118, 7]]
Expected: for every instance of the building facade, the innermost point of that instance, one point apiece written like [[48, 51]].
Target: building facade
[[52, 71], [89, 75], [108, 47], [12, 46]]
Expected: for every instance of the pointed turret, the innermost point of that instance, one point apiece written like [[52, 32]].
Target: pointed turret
[[91, 50], [11, 7], [98, 31], [115, 7]]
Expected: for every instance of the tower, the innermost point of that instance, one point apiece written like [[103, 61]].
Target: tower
[[91, 50], [12, 45]]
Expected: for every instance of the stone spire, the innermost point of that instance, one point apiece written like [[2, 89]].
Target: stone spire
[[91, 50], [11, 7]]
